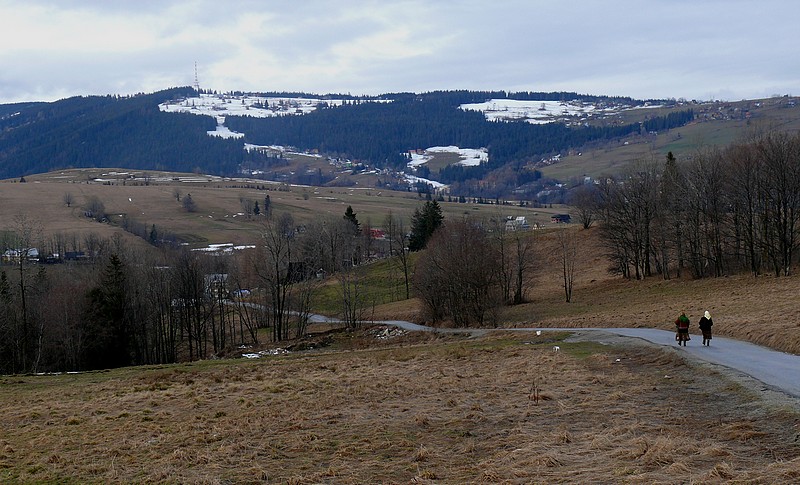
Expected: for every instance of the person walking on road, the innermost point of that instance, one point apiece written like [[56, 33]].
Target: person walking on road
[[705, 327], [682, 326]]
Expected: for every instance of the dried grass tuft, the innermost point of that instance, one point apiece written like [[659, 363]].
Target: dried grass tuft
[[428, 475], [562, 436], [722, 470], [741, 431], [678, 469], [548, 460], [664, 451], [421, 454]]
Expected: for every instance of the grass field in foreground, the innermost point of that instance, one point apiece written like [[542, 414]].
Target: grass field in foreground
[[414, 408]]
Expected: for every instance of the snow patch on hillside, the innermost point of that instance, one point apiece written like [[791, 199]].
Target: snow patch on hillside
[[413, 180], [251, 105], [223, 131], [245, 105], [470, 157], [541, 112], [223, 248], [221, 105]]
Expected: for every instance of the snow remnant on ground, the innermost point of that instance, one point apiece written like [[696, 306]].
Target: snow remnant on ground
[[224, 248], [470, 157], [413, 180], [541, 112], [223, 131], [246, 105]]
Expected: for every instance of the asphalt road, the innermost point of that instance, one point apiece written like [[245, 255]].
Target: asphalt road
[[774, 368]]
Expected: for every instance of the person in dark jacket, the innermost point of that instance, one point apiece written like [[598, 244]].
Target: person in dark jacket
[[705, 327], [682, 327]]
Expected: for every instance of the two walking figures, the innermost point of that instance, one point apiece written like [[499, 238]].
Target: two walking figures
[[682, 329]]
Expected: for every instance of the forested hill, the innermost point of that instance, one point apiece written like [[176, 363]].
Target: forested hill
[[111, 131], [382, 133], [132, 132]]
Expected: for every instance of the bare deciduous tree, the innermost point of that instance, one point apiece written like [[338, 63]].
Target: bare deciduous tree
[[95, 207], [586, 200], [275, 271], [398, 238], [456, 276], [523, 248], [568, 251]]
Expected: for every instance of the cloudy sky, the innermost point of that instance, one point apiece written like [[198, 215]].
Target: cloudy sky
[[694, 49]]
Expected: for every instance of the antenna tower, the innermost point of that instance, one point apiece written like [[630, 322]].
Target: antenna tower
[[196, 81]]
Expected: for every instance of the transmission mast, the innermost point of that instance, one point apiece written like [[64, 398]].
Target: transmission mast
[[196, 80]]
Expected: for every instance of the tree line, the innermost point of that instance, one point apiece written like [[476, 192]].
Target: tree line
[[721, 212], [129, 304]]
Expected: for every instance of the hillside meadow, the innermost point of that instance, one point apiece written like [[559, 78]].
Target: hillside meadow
[[760, 309], [718, 125], [219, 217], [408, 409]]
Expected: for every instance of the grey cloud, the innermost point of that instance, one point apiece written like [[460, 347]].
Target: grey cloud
[[645, 48]]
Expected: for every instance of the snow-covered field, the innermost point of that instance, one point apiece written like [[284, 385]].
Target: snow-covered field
[[540, 112], [470, 157], [245, 105], [221, 105], [248, 105]]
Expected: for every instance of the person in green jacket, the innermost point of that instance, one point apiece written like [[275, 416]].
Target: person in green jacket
[[682, 327]]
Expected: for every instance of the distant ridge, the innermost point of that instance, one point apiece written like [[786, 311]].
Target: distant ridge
[[132, 132]]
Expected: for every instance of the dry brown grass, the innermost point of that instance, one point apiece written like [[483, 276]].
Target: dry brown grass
[[218, 202], [760, 309], [772, 115], [449, 410]]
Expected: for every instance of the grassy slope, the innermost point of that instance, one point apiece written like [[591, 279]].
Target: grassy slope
[[218, 202], [453, 410], [773, 114], [757, 309]]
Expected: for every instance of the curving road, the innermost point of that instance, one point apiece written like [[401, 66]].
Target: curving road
[[778, 370], [775, 369]]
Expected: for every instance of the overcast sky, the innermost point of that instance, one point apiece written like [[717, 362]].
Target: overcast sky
[[694, 49]]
